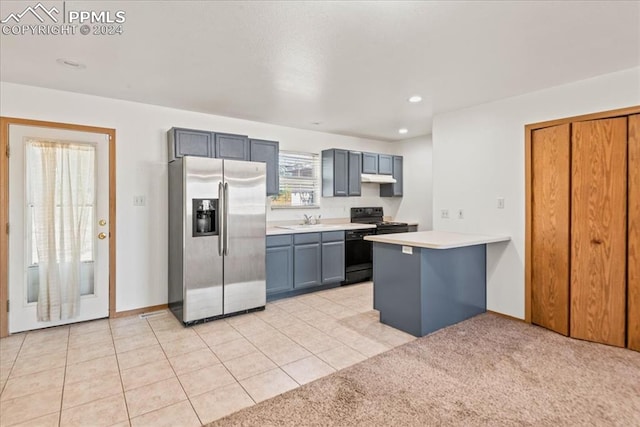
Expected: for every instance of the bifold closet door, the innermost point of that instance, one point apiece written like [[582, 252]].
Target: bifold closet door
[[550, 189], [599, 230], [633, 251]]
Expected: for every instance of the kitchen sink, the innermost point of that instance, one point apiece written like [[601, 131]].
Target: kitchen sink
[[309, 227]]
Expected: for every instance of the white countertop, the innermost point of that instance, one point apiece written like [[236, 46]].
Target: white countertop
[[436, 239], [274, 231]]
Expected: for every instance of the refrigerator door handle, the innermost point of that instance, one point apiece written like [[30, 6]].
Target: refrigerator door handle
[[226, 218], [221, 219]]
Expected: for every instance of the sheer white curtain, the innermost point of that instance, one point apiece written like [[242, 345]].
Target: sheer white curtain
[[61, 192]]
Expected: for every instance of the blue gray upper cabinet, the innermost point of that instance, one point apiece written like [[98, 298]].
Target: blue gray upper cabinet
[[370, 163], [394, 190], [230, 146], [267, 152], [355, 170], [188, 142], [341, 170], [385, 164], [335, 173]]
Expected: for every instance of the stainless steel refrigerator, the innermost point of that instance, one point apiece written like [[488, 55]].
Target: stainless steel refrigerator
[[217, 224]]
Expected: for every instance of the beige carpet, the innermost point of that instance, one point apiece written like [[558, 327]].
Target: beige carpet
[[485, 371]]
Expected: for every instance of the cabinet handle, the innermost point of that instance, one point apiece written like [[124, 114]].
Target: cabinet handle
[[596, 241]]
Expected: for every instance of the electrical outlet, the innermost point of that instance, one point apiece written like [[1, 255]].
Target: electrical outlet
[[139, 200], [500, 202], [460, 214], [444, 213]]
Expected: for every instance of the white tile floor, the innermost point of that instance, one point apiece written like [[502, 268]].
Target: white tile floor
[[133, 371]]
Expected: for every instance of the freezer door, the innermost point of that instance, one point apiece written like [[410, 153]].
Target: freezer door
[[244, 264], [203, 265]]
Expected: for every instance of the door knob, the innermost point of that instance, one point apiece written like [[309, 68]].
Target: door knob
[[102, 222], [102, 236]]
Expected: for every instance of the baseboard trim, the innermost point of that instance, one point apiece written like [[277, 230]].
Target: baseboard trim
[[139, 311], [506, 316]]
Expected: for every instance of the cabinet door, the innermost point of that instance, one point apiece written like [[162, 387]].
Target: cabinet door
[[335, 173], [398, 175], [369, 163], [267, 152], [340, 172], [550, 189], [385, 164], [306, 268], [394, 190], [333, 262], [599, 230], [233, 147], [633, 245], [279, 269], [355, 165], [187, 142]]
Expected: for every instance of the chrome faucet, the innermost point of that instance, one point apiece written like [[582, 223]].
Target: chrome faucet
[[310, 220]]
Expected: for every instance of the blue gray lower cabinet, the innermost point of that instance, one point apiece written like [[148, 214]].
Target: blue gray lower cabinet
[[430, 289], [305, 262], [306, 265], [279, 263]]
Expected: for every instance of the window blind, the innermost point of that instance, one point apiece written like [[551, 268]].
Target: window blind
[[299, 179]]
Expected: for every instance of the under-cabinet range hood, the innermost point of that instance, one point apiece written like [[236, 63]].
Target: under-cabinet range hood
[[378, 179]]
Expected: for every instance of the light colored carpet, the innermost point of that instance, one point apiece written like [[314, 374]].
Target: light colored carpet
[[485, 371]]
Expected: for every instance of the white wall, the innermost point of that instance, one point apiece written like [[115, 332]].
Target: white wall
[[478, 155], [417, 200], [141, 169]]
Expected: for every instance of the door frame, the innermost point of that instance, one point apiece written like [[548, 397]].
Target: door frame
[[528, 180], [5, 122]]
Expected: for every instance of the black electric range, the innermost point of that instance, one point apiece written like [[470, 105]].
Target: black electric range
[[375, 216], [359, 252]]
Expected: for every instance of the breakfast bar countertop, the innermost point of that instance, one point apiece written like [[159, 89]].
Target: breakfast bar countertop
[[437, 239]]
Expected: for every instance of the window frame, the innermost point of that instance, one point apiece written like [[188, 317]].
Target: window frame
[[316, 179]]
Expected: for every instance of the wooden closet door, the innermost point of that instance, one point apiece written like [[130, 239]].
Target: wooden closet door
[[633, 251], [599, 230], [551, 169]]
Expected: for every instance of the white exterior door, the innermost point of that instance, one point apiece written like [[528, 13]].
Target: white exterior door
[[24, 271]]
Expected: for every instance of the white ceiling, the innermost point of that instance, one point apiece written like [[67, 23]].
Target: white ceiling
[[349, 65]]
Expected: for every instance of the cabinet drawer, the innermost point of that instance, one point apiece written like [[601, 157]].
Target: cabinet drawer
[[282, 240], [303, 238], [332, 236]]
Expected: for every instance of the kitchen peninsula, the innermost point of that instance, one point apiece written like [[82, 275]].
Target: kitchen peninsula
[[428, 280]]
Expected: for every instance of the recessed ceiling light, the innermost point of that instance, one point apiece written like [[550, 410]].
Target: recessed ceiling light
[[403, 130], [69, 63], [415, 98]]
